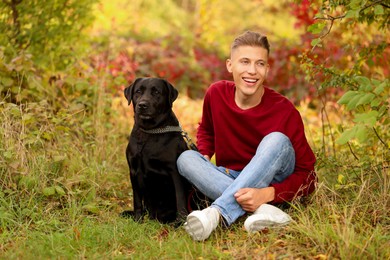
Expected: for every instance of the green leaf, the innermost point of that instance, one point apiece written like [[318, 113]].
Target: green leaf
[[76, 107], [376, 82], [347, 97], [28, 118], [376, 102], [49, 191], [380, 88], [8, 154], [364, 83], [355, 4], [59, 190], [91, 208], [27, 182], [47, 136], [369, 118], [7, 82], [15, 111], [346, 136], [341, 179], [316, 28], [352, 14], [361, 134], [315, 42], [353, 102], [379, 10], [59, 158], [383, 110], [366, 99]]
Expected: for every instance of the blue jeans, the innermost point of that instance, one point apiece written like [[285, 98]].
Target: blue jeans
[[273, 162]]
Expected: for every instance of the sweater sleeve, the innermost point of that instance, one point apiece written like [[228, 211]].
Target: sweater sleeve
[[302, 181], [205, 133]]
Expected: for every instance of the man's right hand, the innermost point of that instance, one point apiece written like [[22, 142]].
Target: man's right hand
[[251, 199]]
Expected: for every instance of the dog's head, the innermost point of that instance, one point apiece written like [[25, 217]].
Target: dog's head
[[152, 100]]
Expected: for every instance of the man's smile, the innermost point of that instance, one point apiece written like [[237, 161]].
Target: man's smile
[[250, 80]]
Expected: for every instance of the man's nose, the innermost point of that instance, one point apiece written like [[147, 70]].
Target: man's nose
[[252, 68]]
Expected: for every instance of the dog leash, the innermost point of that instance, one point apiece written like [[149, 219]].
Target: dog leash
[[168, 129], [188, 140]]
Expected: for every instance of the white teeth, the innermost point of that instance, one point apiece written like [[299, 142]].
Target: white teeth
[[250, 80]]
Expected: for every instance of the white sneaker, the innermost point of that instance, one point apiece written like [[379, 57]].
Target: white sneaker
[[266, 216], [200, 223]]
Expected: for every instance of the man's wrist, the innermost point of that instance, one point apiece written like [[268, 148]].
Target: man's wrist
[[271, 193]]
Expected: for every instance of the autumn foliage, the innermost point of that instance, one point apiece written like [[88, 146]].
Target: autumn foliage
[[64, 121]]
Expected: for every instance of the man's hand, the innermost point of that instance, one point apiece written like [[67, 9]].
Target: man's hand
[[252, 198]]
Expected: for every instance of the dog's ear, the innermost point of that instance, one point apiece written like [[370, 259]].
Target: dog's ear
[[172, 93], [130, 89]]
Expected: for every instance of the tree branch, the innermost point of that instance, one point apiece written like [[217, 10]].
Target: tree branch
[[375, 3], [353, 153], [331, 19], [15, 15], [380, 139]]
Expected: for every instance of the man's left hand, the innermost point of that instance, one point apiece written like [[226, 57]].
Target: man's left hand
[[251, 199]]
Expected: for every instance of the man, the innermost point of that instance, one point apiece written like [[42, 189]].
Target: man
[[257, 137]]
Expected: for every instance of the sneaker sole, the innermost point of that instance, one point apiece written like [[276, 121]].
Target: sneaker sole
[[195, 227], [259, 225]]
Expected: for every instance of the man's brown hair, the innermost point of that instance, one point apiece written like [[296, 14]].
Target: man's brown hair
[[253, 39]]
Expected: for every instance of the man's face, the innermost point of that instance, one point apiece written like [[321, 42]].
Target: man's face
[[249, 66]]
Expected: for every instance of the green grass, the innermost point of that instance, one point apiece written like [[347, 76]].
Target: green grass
[[61, 196], [324, 227]]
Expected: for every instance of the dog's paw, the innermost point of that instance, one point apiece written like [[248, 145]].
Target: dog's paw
[[129, 214], [178, 223]]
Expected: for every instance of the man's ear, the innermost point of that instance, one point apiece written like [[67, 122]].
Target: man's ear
[[172, 93], [129, 90], [229, 65], [267, 71]]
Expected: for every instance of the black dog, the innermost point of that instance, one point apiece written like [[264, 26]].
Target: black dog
[[154, 146]]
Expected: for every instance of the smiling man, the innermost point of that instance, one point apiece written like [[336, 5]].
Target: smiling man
[[261, 152]]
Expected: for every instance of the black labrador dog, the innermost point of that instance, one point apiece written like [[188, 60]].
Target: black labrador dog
[[155, 144]]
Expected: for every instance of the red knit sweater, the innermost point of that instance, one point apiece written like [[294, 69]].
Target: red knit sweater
[[233, 135]]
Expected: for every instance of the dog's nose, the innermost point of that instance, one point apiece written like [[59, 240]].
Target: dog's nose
[[143, 105]]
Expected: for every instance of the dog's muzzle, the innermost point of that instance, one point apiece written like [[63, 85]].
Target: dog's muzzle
[[142, 110]]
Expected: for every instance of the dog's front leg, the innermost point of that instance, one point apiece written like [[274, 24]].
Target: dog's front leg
[[181, 200], [137, 199]]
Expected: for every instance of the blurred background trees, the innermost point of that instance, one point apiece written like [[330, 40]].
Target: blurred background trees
[[68, 57], [64, 121], [187, 41]]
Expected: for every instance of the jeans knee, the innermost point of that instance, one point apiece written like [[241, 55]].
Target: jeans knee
[[278, 135], [184, 160], [276, 141], [277, 138]]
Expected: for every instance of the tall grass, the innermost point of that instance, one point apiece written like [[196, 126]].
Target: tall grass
[[64, 181]]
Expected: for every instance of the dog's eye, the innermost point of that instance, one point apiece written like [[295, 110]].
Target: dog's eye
[[138, 91], [155, 92]]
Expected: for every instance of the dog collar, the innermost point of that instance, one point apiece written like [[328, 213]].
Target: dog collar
[[169, 129], [161, 130]]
